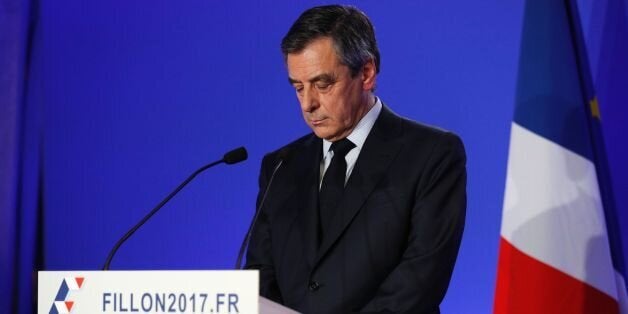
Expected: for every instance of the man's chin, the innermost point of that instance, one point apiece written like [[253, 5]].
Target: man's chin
[[320, 131], [330, 138], [321, 136], [325, 136], [325, 133]]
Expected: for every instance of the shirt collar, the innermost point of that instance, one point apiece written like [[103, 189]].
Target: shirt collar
[[362, 130]]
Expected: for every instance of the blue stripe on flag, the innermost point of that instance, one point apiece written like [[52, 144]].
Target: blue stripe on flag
[[549, 100], [616, 218]]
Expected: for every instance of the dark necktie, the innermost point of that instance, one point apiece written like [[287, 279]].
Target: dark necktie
[[333, 183]]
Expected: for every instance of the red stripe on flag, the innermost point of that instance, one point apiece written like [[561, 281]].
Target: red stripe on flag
[[526, 285]]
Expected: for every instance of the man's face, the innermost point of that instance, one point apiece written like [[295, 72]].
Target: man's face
[[332, 101]]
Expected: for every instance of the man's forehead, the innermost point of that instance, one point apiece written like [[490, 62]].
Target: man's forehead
[[307, 72], [316, 78], [318, 54]]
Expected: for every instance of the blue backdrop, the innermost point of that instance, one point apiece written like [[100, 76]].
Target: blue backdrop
[[136, 95]]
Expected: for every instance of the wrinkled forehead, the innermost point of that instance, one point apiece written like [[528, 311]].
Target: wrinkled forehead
[[318, 57]]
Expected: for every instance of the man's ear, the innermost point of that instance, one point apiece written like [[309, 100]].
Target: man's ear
[[369, 72]]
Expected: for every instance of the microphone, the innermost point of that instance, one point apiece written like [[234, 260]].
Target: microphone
[[231, 157], [235, 156], [283, 156]]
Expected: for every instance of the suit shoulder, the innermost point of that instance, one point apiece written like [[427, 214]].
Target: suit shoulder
[[436, 138], [424, 128], [394, 124], [292, 146], [414, 128]]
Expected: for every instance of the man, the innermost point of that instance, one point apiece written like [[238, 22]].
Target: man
[[366, 214]]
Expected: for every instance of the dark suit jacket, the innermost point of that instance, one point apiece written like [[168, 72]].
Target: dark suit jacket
[[396, 233]]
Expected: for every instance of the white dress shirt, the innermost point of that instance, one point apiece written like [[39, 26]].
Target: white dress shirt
[[357, 136]]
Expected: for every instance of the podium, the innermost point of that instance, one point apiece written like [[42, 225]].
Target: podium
[[187, 291]]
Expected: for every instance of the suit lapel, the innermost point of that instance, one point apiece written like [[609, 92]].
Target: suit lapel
[[379, 150], [307, 162]]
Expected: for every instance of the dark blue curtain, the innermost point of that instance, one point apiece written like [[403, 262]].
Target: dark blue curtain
[[20, 161], [137, 94]]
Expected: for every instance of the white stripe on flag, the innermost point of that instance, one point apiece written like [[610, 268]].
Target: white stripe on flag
[[622, 295], [553, 212]]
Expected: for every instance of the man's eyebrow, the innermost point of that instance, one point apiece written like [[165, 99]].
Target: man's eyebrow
[[326, 77]]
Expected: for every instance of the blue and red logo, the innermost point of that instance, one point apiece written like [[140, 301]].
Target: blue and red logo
[[61, 305]]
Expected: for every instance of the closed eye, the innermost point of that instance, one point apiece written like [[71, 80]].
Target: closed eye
[[323, 86]]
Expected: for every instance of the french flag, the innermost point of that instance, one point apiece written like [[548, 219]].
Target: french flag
[[554, 254]]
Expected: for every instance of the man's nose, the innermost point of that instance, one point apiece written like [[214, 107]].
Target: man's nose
[[309, 101]]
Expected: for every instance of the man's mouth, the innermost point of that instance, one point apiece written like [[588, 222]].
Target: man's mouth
[[317, 121]]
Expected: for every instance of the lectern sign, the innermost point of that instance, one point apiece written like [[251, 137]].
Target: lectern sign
[[214, 292]]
